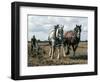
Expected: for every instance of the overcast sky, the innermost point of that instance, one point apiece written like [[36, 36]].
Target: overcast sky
[[41, 25]]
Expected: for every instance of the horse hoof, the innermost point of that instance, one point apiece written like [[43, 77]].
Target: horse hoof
[[64, 55], [58, 58], [51, 58]]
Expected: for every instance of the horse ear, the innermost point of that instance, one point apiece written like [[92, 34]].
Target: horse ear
[[80, 25], [76, 25]]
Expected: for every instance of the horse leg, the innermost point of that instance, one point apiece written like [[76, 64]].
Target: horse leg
[[74, 49], [68, 47], [58, 52], [76, 46], [50, 51], [53, 49], [63, 49]]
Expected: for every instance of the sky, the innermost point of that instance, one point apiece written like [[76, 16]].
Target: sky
[[40, 25]]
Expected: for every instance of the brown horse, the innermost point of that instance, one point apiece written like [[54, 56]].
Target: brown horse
[[72, 38]]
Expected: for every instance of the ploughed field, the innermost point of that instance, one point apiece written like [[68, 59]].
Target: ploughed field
[[42, 57]]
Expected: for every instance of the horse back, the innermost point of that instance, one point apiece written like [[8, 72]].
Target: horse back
[[69, 34], [70, 37]]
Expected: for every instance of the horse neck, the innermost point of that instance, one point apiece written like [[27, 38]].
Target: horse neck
[[78, 35], [52, 34]]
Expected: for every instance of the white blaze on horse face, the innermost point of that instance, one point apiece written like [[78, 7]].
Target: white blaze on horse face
[[57, 33], [78, 34], [60, 32]]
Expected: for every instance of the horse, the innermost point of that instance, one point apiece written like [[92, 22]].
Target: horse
[[72, 38], [55, 40], [34, 44]]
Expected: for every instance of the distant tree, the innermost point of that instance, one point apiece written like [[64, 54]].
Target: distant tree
[[38, 40], [85, 40]]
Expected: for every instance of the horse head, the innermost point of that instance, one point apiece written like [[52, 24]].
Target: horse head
[[56, 27], [59, 32], [77, 29]]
